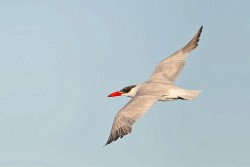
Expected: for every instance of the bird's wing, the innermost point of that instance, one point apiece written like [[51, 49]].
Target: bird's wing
[[129, 114], [169, 69]]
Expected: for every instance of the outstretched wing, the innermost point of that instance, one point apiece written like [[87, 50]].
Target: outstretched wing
[[169, 69], [129, 114]]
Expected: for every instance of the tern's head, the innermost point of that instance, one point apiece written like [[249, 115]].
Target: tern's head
[[129, 91]]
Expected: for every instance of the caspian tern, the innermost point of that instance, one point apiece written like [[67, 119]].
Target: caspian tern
[[160, 87]]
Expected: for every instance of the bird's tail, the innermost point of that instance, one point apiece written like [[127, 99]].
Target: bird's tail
[[190, 94]]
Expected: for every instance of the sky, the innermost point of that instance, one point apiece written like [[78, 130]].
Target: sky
[[60, 59]]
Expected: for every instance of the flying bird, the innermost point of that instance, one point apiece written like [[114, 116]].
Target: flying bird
[[160, 87]]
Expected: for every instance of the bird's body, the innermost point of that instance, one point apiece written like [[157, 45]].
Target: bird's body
[[162, 91], [160, 87]]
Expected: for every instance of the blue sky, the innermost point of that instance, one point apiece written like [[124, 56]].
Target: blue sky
[[60, 59]]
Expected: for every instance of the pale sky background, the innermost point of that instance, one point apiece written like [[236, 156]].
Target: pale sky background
[[60, 59]]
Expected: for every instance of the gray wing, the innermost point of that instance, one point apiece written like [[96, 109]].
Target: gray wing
[[129, 114], [169, 69]]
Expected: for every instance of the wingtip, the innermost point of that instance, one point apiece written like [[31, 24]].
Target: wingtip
[[199, 32], [194, 42], [201, 28], [108, 142]]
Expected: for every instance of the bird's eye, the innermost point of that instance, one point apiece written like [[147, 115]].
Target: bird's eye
[[125, 90]]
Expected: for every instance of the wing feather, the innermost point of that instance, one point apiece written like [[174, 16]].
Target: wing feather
[[169, 69], [129, 114]]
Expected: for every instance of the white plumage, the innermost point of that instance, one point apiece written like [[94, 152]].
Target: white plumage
[[159, 88]]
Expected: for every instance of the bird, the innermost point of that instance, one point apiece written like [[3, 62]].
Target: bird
[[159, 87]]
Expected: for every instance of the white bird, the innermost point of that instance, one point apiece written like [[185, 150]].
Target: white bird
[[160, 87]]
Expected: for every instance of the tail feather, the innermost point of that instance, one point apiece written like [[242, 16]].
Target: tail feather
[[190, 94]]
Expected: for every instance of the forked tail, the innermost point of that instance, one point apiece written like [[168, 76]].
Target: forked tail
[[190, 94]]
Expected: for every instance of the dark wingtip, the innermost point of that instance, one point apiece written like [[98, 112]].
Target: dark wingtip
[[200, 30], [194, 42], [108, 142], [120, 133]]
